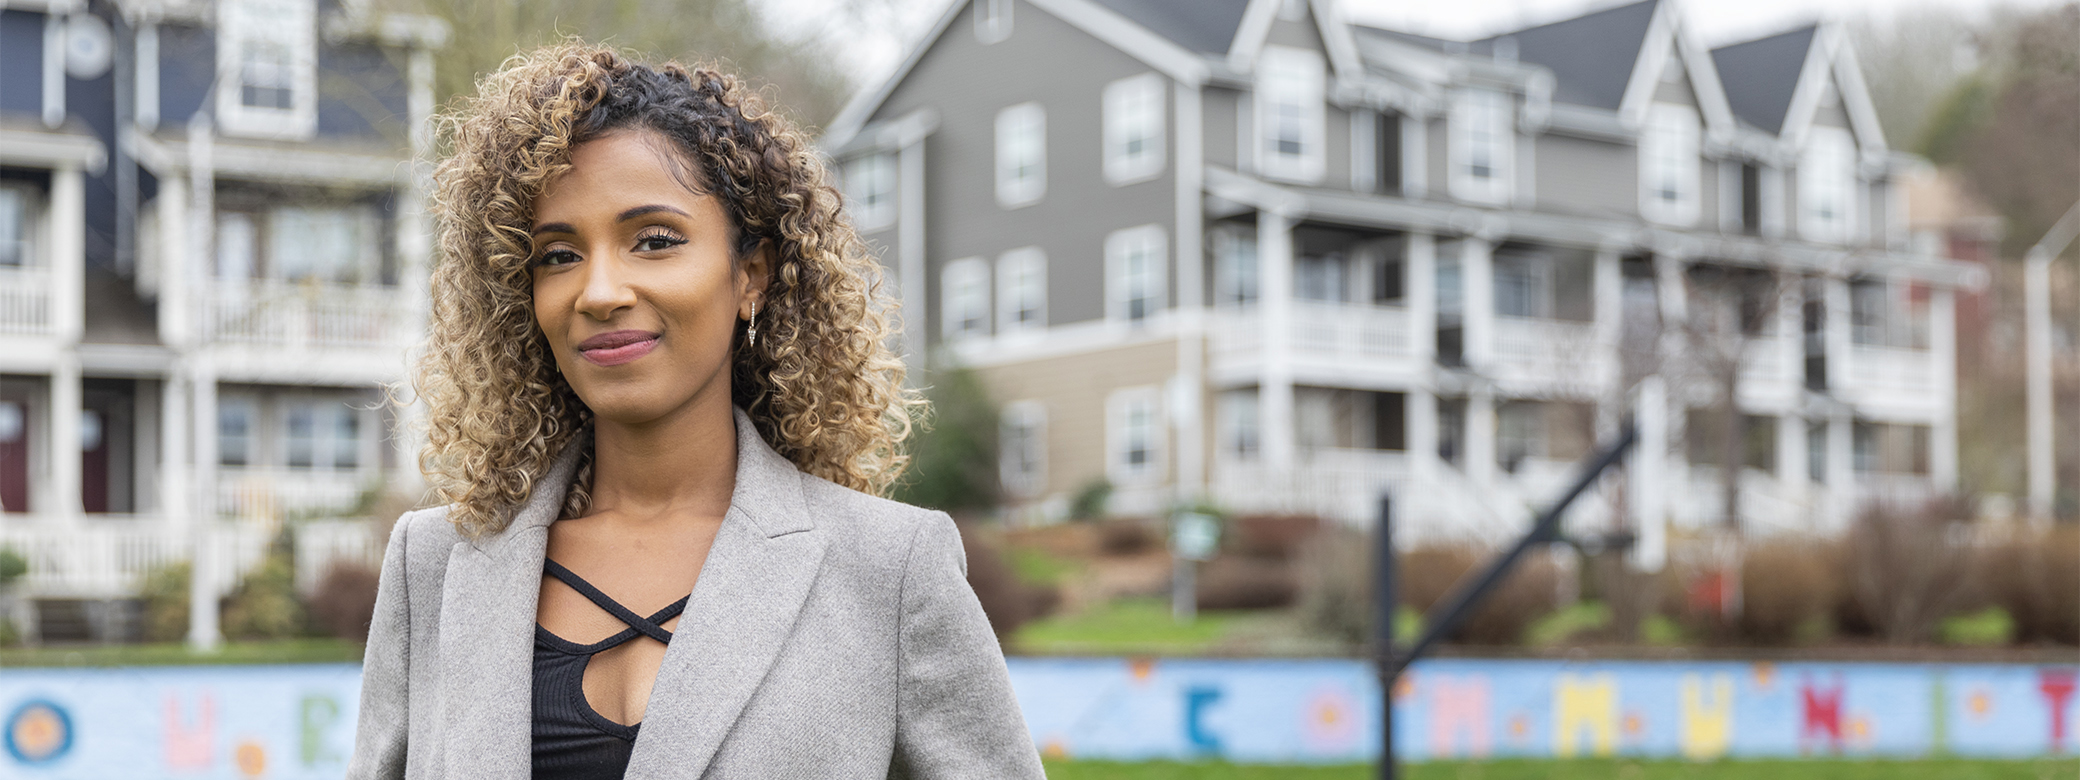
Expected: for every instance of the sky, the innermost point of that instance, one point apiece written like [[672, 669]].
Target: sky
[[874, 52]]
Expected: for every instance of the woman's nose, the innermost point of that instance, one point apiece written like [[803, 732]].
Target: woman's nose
[[607, 289]]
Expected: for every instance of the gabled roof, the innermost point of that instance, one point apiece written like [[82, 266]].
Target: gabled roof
[[1591, 56], [1761, 75], [1203, 26]]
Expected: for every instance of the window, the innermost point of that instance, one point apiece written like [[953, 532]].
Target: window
[[1022, 449], [301, 425], [1523, 286], [235, 432], [1134, 129], [1234, 266], [1882, 314], [1022, 290], [15, 221], [1237, 416], [1321, 277], [327, 244], [1482, 148], [238, 250], [1021, 155], [1816, 452], [1705, 439], [321, 434], [346, 438], [267, 54], [1133, 436], [1134, 260], [992, 20], [1668, 165], [1545, 282], [964, 294], [1826, 185], [1889, 448], [1290, 114], [870, 190]]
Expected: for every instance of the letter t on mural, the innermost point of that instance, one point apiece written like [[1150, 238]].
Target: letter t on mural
[[1707, 722], [1459, 706], [2057, 686], [1589, 704], [188, 747]]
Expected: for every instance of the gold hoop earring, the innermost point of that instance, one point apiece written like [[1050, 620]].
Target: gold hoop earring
[[751, 333]]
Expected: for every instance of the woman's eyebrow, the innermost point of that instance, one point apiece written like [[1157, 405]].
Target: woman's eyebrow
[[552, 227], [650, 209]]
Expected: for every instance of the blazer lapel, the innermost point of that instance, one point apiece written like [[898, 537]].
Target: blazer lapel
[[487, 634], [758, 573]]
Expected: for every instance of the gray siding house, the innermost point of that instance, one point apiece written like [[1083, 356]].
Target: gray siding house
[[212, 259], [1247, 252]]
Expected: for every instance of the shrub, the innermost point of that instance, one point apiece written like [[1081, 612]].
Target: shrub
[[12, 566], [264, 605], [1787, 584], [165, 599], [1277, 537], [1242, 582], [1335, 583], [1904, 574], [1336, 588], [1127, 536], [1090, 500], [1990, 627], [2034, 576], [345, 601], [953, 464]]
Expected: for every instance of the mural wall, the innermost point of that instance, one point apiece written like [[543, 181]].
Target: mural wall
[[298, 721]]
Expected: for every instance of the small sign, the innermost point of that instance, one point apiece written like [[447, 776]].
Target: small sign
[[1195, 536]]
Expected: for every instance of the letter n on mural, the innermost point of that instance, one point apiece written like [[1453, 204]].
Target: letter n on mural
[[1585, 704], [1820, 714], [1459, 706], [1707, 720]]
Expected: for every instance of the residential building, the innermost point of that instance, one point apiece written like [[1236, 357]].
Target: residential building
[[1248, 252], [212, 261]]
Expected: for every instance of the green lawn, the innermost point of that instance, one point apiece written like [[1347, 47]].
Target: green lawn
[[286, 651], [2064, 769]]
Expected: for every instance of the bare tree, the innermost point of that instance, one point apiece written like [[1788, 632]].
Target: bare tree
[[1728, 308]]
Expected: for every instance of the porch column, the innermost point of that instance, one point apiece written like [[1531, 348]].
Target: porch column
[[1791, 457], [1609, 300], [1480, 437], [175, 481], [1646, 476], [1942, 354], [1422, 437], [1477, 284], [68, 252], [1275, 300], [1420, 258], [1841, 470], [203, 588]]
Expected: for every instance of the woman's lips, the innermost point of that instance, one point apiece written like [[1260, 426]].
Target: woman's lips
[[618, 347]]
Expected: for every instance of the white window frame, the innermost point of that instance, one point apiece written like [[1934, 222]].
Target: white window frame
[[29, 231], [1239, 421], [1134, 111], [1021, 146], [870, 190], [1669, 154], [1023, 424], [1234, 267], [230, 404], [1482, 117], [1291, 81], [326, 411], [1125, 283], [992, 20], [345, 228], [1827, 168], [1022, 287], [964, 299], [292, 24], [1126, 411]]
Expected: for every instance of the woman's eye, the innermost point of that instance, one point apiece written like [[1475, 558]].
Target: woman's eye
[[657, 242], [557, 257]]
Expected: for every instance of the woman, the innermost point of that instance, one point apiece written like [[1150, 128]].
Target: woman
[[659, 398]]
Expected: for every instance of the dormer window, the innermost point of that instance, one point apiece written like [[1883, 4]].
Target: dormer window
[[1669, 165], [1826, 185], [267, 58], [1482, 149], [1290, 114]]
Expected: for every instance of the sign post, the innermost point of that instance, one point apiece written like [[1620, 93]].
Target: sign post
[[1193, 538]]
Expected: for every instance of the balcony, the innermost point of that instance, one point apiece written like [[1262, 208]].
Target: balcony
[[1327, 340], [271, 494], [1343, 484], [1893, 379], [25, 302], [274, 330], [109, 558], [1539, 355]]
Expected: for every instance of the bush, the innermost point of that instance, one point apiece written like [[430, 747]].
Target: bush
[[165, 599], [345, 601], [1787, 585], [1242, 582], [1277, 537], [953, 466], [1090, 500], [1336, 585], [2034, 576], [1336, 588], [1007, 601], [12, 566], [264, 606], [1904, 574], [1127, 536]]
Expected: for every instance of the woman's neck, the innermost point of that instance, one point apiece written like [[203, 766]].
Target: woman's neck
[[682, 465]]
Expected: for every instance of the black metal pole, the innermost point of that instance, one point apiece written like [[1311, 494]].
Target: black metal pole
[[1385, 602], [1452, 610]]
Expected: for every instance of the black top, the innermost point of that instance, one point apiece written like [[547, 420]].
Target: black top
[[571, 741]]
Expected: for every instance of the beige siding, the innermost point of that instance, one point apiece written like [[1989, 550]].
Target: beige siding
[[1074, 389]]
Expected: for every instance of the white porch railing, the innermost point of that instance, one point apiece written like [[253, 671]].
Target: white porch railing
[[25, 301], [320, 544], [270, 494], [1340, 484], [1332, 332], [1764, 361], [302, 315], [108, 559], [1892, 369]]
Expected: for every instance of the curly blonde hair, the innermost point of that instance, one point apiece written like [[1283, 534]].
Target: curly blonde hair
[[821, 384]]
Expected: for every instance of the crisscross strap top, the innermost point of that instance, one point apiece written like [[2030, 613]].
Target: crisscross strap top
[[571, 740]]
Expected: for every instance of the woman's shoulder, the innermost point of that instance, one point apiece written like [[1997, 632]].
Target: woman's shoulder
[[867, 524]]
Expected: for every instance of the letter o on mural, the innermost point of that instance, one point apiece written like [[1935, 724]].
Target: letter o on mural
[[38, 732]]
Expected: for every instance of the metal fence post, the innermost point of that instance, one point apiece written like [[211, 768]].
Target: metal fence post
[[1385, 603]]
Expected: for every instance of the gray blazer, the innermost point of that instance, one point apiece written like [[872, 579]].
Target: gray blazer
[[832, 634]]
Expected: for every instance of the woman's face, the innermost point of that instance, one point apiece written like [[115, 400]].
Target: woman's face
[[634, 283]]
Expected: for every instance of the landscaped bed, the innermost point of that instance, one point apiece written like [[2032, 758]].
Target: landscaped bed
[[1619, 769]]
